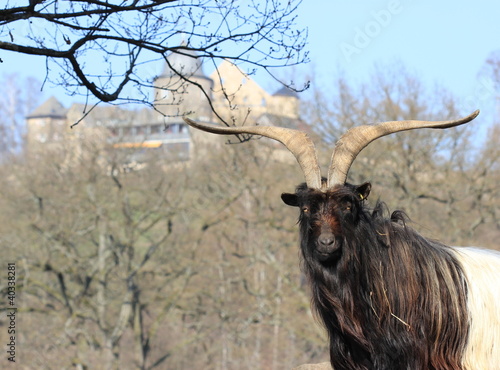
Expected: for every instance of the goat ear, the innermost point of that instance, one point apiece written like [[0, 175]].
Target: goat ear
[[364, 190], [290, 199]]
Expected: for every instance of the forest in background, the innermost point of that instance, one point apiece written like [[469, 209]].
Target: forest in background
[[196, 265]]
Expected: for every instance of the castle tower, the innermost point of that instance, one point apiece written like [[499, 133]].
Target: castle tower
[[248, 99], [285, 102], [47, 123], [175, 97]]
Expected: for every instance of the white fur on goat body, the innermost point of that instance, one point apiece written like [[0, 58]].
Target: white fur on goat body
[[482, 271]]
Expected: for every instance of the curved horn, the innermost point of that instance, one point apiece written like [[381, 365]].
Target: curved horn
[[297, 142], [357, 138]]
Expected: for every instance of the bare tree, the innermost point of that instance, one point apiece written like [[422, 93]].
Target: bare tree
[[100, 240], [492, 69], [109, 49], [17, 99]]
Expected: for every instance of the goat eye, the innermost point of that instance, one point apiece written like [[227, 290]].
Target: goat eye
[[346, 207], [305, 209]]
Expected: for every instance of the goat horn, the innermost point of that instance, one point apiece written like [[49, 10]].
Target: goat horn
[[297, 142], [357, 138]]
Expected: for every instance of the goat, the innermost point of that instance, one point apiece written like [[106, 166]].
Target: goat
[[388, 297]]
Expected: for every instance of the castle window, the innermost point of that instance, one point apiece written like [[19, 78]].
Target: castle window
[[41, 138], [156, 129]]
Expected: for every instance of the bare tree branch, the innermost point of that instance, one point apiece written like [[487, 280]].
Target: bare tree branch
[[111, 49]]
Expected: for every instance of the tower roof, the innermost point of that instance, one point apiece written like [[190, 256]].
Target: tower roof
[[184, 61], [51, 108], [285, 91]]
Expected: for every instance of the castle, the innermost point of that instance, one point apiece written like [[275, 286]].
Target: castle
[[232, 93]]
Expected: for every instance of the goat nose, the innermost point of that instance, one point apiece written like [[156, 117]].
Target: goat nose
[[326, 240]]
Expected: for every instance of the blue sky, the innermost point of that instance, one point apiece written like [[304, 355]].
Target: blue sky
[[442, 42]]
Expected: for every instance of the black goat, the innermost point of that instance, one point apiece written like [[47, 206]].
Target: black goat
[[389, 298]]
